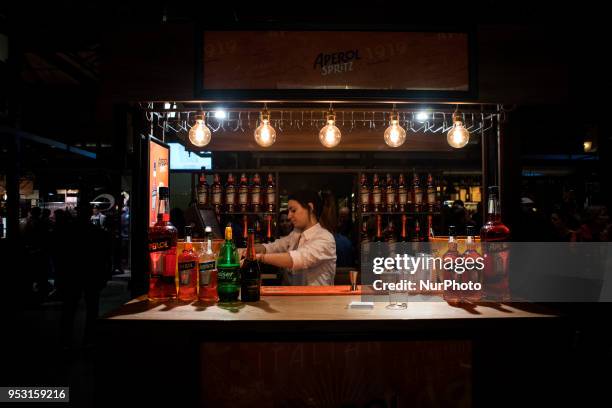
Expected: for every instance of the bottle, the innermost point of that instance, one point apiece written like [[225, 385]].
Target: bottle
[[390, 195], [270, 194], [449, 258], [258, 232], [376, 194], [217, 194], [228, 270], [364, 231], [162, 238], [390, 231], [230, 194], [416, 236], [404, 233], [250, 273], [493, 236], [243, 193], [417, 193], [379, 236], [402, 192], [188, 270], [364, 193], [207, 282], [245, 229], [203, 192], [269, 235], [256, 193], [431, 194], [473, 275]]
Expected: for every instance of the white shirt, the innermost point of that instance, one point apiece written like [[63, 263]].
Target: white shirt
[[313, 253]]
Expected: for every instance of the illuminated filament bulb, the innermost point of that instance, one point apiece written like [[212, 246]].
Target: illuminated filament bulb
[[458, 136], [395, 135], [330, 135], [199, 134], [265, 135]]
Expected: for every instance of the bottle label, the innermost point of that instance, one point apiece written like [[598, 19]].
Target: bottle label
[[418, 196], [390, 196], [250, 290], [431, 196], [216, 196], [230, 195], [403, 196], [271, 198], [202, 196], [186, 271], [228, 275], [159, 245], [206, 269], [255, 195], [376, 196], [365, 196], [244, 196]]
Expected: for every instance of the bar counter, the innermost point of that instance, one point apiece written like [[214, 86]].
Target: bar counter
[[201, 348], [323, 303]]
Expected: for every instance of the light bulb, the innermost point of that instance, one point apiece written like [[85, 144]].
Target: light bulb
[[588, 146], [330, 135], [458, 136], [199, 134], [422, 116], [265, 135], [395, 135]]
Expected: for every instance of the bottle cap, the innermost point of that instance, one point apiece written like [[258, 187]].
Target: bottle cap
[[228, 232]]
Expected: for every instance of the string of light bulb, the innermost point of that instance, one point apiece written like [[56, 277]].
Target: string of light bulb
[[200, 125]]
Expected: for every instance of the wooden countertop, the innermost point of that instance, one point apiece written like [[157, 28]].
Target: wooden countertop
[[319, 308]]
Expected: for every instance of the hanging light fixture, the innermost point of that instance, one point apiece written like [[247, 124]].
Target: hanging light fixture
[[395, 135], [330, 135], [199, 134], [265, 135], [458, 136]]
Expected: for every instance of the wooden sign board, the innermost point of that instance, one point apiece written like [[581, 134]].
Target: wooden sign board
[[358, 63]]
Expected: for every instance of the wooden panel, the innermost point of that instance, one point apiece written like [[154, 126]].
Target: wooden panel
[[335, 60]]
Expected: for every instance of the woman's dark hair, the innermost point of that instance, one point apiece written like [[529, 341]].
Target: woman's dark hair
[[324, 206]]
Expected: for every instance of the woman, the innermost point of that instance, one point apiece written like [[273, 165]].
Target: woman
[[308, 253]]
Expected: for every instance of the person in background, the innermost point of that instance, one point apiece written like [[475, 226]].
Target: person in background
[[284, 224], [83, 266], [345, 223], [563, 233], [344, 248], [97, 218]]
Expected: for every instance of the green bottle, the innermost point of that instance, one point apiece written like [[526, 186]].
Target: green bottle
[[228, 270]]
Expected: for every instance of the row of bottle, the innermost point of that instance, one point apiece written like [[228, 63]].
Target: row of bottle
[[494, 276], [242, 197], [471, 278], [205, 275], [409, 230], [387, 195], [263, 229]]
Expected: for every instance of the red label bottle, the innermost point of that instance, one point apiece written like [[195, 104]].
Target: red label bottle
[[162, 238], [188, 270]]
